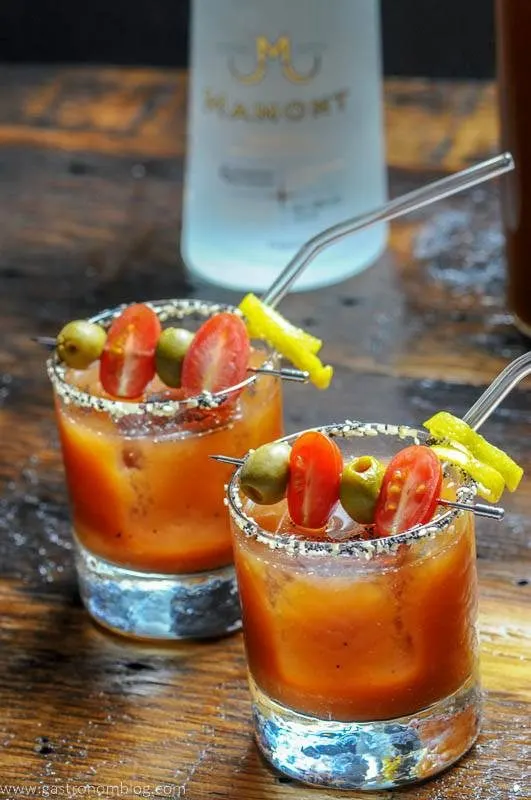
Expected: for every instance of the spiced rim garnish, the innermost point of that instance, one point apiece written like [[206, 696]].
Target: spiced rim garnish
[[166, 310], [368, 548]]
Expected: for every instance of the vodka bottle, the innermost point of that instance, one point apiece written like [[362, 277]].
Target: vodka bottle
[[285, 138]]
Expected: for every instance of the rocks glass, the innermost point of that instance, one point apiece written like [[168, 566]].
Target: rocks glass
[[152, 538], [362, 654]]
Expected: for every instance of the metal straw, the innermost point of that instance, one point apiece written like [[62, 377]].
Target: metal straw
[[418, 198], [452, 184], [500, 387]]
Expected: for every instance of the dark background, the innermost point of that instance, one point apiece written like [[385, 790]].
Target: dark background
[[439, 38]]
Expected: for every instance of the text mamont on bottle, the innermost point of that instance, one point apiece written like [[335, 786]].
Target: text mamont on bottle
[[294, 110]]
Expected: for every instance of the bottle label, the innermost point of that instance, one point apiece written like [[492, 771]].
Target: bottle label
[[285, 118]]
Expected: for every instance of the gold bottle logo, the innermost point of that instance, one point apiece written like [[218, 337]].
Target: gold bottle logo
[[280, 51]]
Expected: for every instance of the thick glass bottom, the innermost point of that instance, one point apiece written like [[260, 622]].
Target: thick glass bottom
[[367, 755], [148, 605]]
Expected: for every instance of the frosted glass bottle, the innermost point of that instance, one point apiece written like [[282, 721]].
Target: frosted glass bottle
[[285, 137]]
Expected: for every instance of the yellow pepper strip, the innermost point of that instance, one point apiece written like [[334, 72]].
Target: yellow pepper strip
[[296, 345], [259, 316], [320, 374], [490, 483], [444, 425]]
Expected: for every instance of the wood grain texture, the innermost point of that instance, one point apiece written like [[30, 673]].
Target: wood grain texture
[[90, 192]]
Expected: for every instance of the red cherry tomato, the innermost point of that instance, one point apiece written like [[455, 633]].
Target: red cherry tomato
[[127, 363], [314, 476], [218, 356], [410, 490]]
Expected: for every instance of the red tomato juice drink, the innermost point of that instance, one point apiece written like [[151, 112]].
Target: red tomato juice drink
[[152, 538], [362, 653]]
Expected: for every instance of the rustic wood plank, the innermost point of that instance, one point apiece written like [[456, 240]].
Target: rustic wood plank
[[91, 168], [113, 111], [439, 124]]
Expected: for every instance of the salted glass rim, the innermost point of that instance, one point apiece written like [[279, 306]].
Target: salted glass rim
[[177, 309], [299, 545]]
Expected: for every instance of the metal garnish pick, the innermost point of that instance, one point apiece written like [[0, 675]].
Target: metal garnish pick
[[480, 509], [285, 373]]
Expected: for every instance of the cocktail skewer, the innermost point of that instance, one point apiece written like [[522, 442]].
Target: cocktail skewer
[[49, 342], [285, 373], [481, 509], [484, 406], [237, 462]]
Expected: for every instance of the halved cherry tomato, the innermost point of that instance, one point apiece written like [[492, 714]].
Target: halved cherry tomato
[[218, 356], [127, 363], [314, 476], [410, 490]]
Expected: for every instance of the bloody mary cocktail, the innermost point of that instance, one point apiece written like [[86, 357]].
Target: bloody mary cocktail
[[153, 546], [362, 651]]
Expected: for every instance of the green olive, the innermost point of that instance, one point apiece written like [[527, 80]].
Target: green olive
[[169, 356], [264, 475], [80, 343], [361, 480]]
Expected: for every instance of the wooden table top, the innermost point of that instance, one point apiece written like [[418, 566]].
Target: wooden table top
[[90, 191]]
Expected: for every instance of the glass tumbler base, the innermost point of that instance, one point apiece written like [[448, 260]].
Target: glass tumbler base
[[367, 755], [148, 605]]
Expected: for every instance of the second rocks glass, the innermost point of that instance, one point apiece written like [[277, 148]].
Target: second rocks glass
[[362, 653], [152, 539]]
